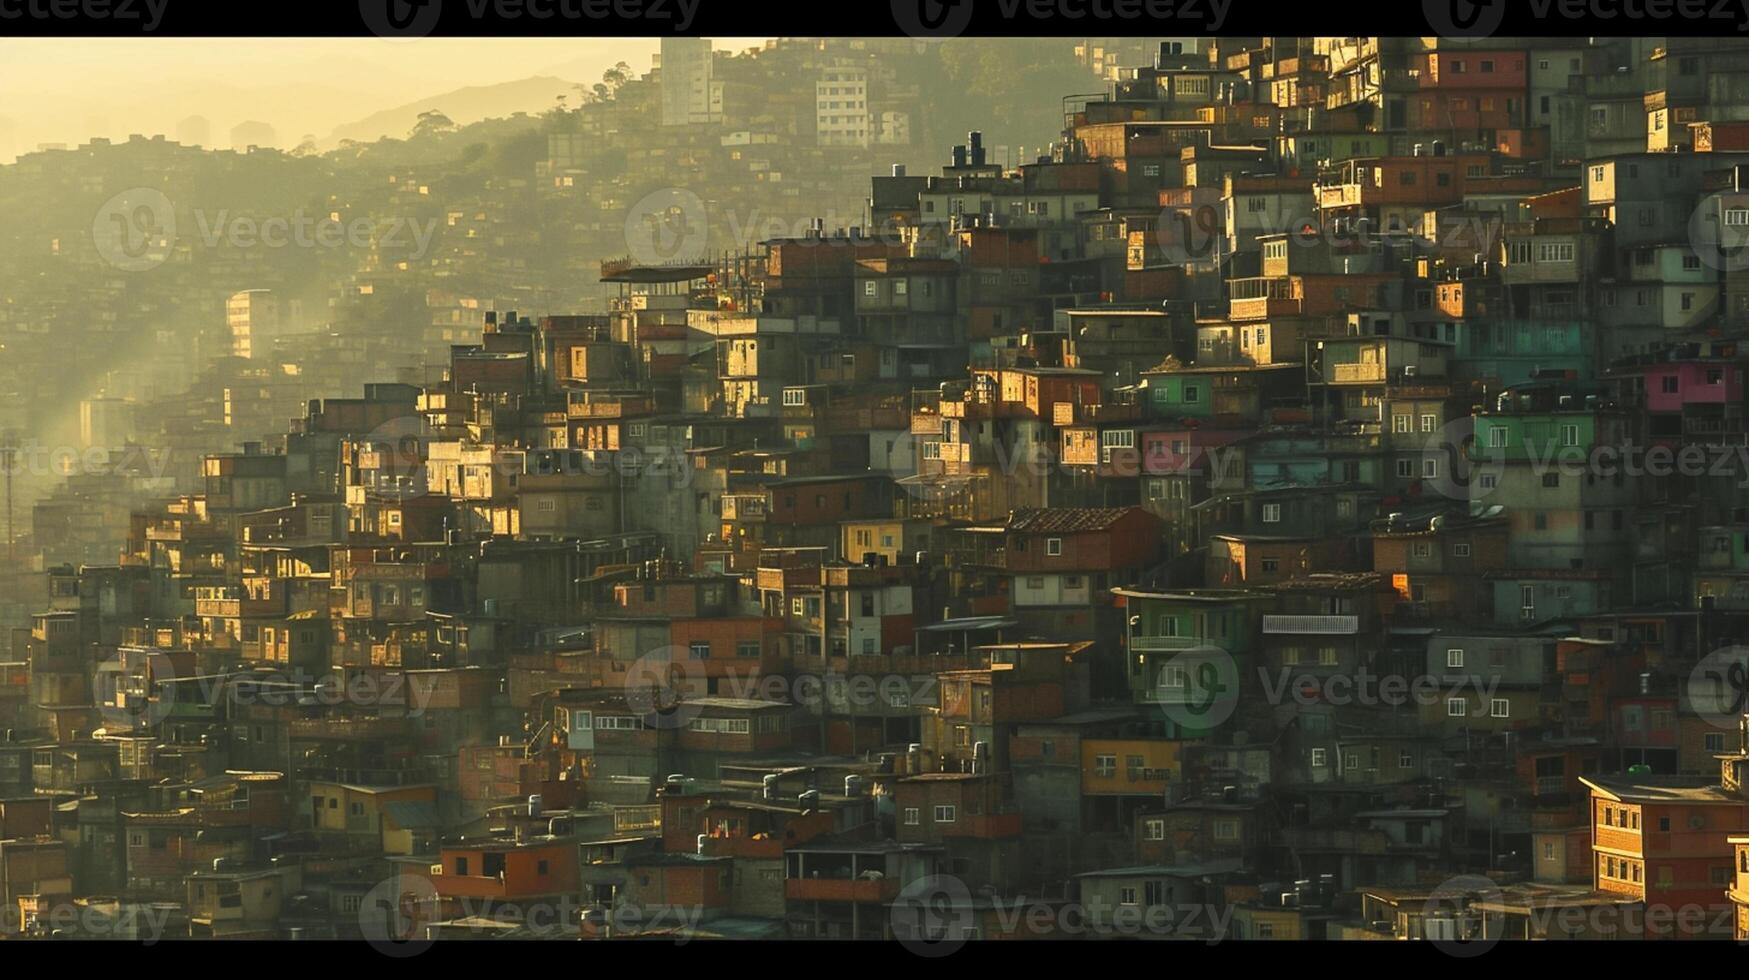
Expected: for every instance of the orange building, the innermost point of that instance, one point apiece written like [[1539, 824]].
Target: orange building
[[1666, 841]]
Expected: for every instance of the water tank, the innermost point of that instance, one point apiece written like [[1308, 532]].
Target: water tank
[[853, 786], [701, 841], [981, 758], [534, 805], [769, 786], [809, 800]]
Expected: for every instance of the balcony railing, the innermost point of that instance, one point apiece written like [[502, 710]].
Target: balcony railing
[[1148, 643], [1349, 373], [1322, 625]]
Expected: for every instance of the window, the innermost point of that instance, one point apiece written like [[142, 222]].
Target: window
[[1405, 759], [1460, 550], [1272, 513], [945, 813], [1569, 434], [793, 397], [1454, 657], [911, 816], [1126, 896], [1227, 830], [1154, 828], [699, 651], [1105, 766], [1429, 423], [722, 726], [747, 648], [1053, 546], [1319, 757], [1457, 708], [1499, 708]]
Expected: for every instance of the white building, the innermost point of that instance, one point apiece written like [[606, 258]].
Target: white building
[[251, 314], [689, 95], [841, 108]]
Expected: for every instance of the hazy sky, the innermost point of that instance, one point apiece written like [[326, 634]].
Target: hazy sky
[[67, 90]]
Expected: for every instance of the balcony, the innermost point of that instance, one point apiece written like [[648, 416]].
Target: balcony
[[1339, 196], [1263, 307], [1318, 625], [610, 408], [1127, 411], [868, 890], [972, 407], [744, 507], [348, 728], [1144, 644], [1357, 373]]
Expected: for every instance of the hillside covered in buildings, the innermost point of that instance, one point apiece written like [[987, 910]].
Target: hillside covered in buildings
[[1301, 493]]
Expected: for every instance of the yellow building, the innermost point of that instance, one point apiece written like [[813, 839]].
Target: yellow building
[[1739, 891], [888, 538], [1129, 766], [360, 811]]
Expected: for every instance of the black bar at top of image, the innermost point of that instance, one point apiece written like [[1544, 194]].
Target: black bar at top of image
[[876, 18]]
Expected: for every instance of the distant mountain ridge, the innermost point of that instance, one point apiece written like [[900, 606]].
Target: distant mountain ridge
[[463, 106]]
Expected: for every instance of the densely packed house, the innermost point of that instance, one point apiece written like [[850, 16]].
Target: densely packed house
[[1309, 500]]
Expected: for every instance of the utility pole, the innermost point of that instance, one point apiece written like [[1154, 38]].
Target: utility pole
[[8, 459]]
